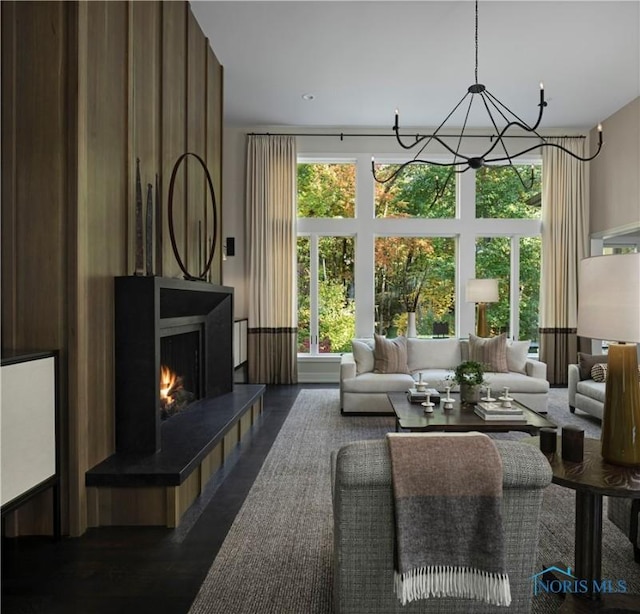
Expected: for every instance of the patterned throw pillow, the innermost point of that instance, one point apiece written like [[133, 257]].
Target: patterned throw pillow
[[599, 372], [491, 352], [390, 355]]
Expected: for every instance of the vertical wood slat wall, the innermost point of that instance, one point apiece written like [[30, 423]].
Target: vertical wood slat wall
[[88, 87]]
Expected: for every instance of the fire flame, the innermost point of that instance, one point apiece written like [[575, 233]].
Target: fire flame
[[173, 396], [168, 380]]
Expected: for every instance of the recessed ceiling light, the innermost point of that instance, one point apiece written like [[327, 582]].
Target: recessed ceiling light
[[308, 96]]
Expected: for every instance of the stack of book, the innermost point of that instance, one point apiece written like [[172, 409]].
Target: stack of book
[[415, 396], [496, 411]]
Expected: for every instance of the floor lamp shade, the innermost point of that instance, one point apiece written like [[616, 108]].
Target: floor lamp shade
[[609, 309], [482, 291]]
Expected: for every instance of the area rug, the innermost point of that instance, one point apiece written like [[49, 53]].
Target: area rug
[[277, 556]]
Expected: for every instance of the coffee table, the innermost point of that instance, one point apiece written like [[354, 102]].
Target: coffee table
[[411, 417]]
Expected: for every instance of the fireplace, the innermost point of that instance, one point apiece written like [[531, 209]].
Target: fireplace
[[173, 346]]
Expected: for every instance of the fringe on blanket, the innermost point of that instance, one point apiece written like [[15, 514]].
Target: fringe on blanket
[[464, 582]]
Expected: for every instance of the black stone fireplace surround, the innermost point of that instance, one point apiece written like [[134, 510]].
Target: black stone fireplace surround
[[188, 446], [148, 309]]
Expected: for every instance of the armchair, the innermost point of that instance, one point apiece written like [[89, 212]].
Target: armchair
[[364, 533]]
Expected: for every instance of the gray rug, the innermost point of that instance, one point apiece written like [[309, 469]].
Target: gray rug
[[277, 557]]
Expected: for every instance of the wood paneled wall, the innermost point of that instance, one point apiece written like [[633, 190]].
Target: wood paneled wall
[[87, 88]]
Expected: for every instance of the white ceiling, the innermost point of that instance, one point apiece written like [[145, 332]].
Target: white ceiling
[[363, 59]]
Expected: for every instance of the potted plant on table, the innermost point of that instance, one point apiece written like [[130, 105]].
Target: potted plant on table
[[469, 375]]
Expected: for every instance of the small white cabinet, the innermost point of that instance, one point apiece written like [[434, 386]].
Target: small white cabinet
[[28, 429]]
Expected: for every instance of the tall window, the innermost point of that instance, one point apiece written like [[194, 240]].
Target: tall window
[[493, 261], [414, 274], [326, 306], [326, 190], [419, 191]]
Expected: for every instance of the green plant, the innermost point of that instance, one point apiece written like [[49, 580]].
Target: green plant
[[469, 372]]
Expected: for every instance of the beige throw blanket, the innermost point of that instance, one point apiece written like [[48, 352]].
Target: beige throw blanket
[[449, 536]]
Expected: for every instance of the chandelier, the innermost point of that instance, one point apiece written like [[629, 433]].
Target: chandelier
[[497, 154]]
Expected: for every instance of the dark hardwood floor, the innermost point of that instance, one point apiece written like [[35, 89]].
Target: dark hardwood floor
[[117, 570]]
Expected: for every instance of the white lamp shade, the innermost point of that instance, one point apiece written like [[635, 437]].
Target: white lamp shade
[[609, 298], [482, 291]]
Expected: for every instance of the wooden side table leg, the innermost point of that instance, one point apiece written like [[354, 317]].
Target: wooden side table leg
[[588, 540]]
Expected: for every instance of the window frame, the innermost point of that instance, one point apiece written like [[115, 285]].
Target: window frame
[[364, 227]]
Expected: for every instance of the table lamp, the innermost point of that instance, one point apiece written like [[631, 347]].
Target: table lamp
[[609, 309], [482, 291]]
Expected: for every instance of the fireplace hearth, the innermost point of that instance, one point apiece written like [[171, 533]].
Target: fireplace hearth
[[165, 325]]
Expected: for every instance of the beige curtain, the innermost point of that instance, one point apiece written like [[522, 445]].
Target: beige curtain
[[271, 250], [565, 234]]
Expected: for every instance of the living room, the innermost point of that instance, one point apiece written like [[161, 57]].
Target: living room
[[75, 197]]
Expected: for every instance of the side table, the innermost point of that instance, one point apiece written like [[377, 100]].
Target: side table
[[592, 479]]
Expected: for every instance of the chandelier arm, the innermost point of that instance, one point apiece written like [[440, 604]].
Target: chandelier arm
[[488, 98], [560, 147], [497, 103], [526, 187], [464, 125], [503, 132], [486, 102], [400, 168], [499, 138], [429, 137], [541, 105]]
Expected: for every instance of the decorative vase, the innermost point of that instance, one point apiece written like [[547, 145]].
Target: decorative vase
[[469, 393], [411, 324]]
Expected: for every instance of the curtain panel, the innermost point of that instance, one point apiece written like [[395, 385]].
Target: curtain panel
[[565, 235], [271, 250]]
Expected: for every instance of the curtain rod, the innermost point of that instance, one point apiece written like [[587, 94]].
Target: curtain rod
[[343, 135]]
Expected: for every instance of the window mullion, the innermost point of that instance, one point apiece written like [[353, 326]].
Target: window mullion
[[514, 299], [313, 298]]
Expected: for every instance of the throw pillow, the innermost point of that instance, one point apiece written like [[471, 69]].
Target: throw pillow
[[491, 352], [599, 372], [363, 355], [390, 355], [586, 362], [517, 353]]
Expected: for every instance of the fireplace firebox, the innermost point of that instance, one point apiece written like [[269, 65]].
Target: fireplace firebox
[[173, 346]]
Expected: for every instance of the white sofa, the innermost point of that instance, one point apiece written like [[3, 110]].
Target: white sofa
[[362, 391]]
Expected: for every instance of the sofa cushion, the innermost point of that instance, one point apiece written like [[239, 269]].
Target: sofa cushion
[[362, 350], [516, 382], [592, 389], [378, 382], [390, 355], [433, 354], [517, 353], [586, 362], [491, 352]]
